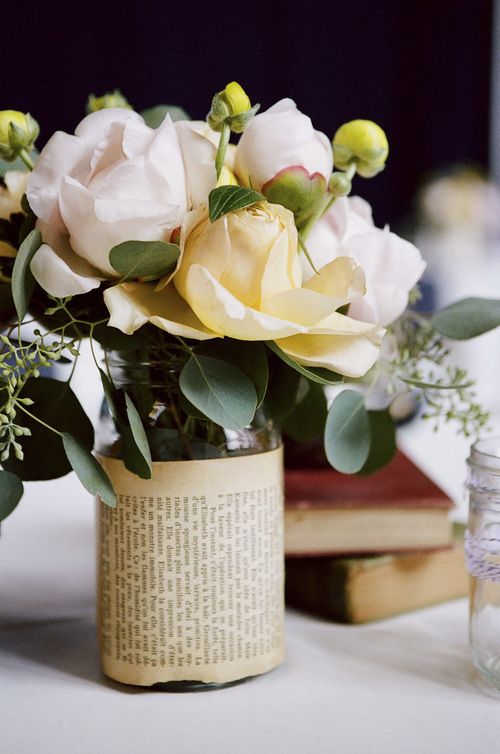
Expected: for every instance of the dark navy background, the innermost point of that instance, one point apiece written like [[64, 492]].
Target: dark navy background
[[418, 67]]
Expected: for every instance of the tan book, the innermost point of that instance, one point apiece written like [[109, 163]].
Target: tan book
[[396, 509], [359, 590]]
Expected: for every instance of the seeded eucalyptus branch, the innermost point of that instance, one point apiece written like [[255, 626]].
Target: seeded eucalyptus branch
[[421, 361]]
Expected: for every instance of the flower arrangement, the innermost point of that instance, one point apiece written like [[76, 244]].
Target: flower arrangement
[[248, 262]]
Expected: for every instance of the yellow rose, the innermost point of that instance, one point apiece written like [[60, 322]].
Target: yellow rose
[[11, 195], [241, 277]]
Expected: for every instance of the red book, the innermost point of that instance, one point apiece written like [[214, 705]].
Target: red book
[[396, 509]]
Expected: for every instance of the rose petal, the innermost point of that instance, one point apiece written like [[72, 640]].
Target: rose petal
[[131, 305], [392, 266], [223, 313], [279, 138], [349, 355], [342, 279], [198, 153], [62, 155], [60, 271]]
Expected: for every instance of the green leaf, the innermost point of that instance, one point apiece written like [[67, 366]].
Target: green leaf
[[230, 198], [287, 388], [111, 397], [88, 470], [139, 437], [382, 441], [143, 259], [57, 405], [347, 433], [154, 116], [467, 318], [23, 282], [115, 340], [132, 457], [219, 390], [307, 420], [248, 356], [11, 491], [315, 374]]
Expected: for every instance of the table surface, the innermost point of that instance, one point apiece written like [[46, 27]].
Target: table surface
[[405, 684]]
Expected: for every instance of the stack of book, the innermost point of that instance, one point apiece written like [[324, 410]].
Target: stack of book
[[364, 548]]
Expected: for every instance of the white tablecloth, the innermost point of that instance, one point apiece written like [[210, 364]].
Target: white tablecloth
[[402, 685]]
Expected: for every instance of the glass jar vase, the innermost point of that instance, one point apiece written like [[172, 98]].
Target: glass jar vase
[[482, 547], [191, 570]]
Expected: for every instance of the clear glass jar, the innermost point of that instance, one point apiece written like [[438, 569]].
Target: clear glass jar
[[482, 546], [176, 433]]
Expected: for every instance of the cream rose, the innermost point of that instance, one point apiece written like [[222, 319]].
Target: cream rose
[[115, 180], [241, 277], [282, 137], [392, 265]]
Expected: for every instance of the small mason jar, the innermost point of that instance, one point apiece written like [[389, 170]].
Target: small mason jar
[[482, 547], [190, 561]]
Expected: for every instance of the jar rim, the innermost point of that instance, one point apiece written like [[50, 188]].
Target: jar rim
[[485, 454]]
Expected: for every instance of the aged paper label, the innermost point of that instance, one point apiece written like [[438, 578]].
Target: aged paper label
[[191, 570]]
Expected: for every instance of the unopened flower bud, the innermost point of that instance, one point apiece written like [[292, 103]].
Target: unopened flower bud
[[231, 106], [362, 142], [339, 184], [236, 98], [110, 99], [18, 132]]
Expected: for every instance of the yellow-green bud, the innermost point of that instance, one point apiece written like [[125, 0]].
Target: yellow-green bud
[[233, 107], [236, 98], [18, 132], [339, 184], [110, 99], [362, 142]]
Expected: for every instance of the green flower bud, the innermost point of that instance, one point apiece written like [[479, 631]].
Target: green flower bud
[[236, 98], [339, 185], [110, 99], [18, 132], [218, 113], [233, 106], [362, 142]]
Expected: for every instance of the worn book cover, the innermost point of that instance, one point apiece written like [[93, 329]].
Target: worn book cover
[[396, 509], [359, 590]]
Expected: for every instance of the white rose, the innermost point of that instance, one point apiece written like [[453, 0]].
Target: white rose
[[282, 137], [392, 265], [115, 180]]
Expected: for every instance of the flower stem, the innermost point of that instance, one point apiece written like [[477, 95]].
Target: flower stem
[[221, 150]]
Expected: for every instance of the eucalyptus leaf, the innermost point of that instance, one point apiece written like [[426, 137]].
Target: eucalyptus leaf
[[154, 116], [287, 388], [11, 491], [315, 374], [347, 433], [467, 318], [23, 282], [139, 435], [57, 405], [143, 259], [132, 457], [250, 357], [221, 391], [88, 470], [111, 396], [230, 198], [382, 441], [307, 420]]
